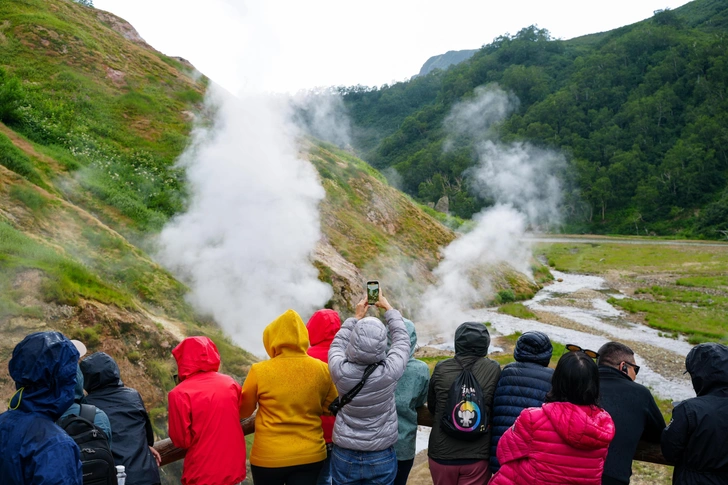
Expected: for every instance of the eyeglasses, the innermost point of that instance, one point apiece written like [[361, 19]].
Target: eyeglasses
[[634, 366], [576, 348]]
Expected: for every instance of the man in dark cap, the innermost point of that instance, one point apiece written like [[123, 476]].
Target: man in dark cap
[[695, 440], [452, 460], [632, 407], [522, 384], [32, 448]]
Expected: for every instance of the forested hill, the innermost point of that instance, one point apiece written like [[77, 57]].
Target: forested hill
[[641, 113]]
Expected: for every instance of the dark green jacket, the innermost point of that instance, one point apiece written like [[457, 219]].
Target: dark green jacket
[[471, 345]]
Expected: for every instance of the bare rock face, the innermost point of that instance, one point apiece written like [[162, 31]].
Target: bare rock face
[[345, 278], [443, 205], [123, 27]]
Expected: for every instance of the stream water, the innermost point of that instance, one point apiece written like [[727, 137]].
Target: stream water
[[608, 322]]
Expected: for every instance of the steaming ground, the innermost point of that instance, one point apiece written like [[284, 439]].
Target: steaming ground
[[523, 182], [244, 243]]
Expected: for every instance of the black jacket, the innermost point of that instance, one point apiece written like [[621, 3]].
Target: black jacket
[[133, 432], [471, 345], [696, 439], [522, 384], [636, 417]]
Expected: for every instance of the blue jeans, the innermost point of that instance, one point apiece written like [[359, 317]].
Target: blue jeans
[[324, 477], [350, 467]]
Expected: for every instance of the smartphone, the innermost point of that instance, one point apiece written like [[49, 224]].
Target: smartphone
[[372, 292]]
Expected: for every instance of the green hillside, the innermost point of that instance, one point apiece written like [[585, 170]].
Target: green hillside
[[92, 120], [641, 113]]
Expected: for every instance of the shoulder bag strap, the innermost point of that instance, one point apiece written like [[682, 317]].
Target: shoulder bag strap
[[346, 398]]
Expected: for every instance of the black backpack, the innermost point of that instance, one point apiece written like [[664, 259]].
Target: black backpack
[[465, 417], [96, 458]]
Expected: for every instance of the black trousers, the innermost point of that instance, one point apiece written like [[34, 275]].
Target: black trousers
[[403, 471], [287, 475]]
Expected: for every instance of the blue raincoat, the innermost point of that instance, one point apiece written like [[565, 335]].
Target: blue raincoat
[[33, 450]]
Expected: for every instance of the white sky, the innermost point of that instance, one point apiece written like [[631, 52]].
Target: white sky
[[287, 45]]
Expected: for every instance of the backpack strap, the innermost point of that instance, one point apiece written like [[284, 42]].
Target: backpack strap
[[87, 412], [462, 366]]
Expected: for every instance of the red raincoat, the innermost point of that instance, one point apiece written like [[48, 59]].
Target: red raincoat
[[322, 328], [560, 443], [203, 416]]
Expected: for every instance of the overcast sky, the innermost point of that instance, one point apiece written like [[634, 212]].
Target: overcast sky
[[287, 45]]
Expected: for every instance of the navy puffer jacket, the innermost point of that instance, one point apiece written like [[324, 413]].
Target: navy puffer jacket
[[522, 384]]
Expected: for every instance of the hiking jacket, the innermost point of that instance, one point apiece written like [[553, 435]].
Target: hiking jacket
[[33, 450], [522, 384], [636, 417], [292, 391], [369, 422], [557, 443], [100, 419], [411, 393], [133, 434], [695, 439], [471, 345], [322, 328], [203, 416]]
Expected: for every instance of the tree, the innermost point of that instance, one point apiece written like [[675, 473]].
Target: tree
[[86, 3]]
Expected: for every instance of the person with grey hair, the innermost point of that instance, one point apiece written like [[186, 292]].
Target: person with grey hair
[[632, 407], [365, 430]]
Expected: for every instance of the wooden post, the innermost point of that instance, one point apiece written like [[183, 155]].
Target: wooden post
[[649, 452]]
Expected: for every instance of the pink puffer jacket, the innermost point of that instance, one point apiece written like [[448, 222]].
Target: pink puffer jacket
[[560, 443]]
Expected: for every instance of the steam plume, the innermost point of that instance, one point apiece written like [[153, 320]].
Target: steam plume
[[522, 181], [244, 244]]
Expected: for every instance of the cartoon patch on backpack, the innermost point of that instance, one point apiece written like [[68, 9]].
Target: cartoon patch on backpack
[[465, 417]]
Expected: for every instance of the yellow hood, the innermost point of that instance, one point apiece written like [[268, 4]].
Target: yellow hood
[[286, 334]]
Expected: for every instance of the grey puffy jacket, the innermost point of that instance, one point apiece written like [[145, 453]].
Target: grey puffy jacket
[[369, 421]]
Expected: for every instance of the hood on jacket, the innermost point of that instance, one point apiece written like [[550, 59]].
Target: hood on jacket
[[196, 354], [533, 347], [100, 371], [708, 367], [472, 339], [285, 334], [322, 327], [368, 342], [582, 427], [410, 326], [44, 366]]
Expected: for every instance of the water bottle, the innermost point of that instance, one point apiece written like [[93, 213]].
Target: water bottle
[[120, 475]]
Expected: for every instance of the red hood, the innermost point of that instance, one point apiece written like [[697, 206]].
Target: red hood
[[322, 328], [196, 354], [583, 427]]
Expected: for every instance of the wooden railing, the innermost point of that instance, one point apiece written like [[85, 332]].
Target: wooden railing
[[648, 452]]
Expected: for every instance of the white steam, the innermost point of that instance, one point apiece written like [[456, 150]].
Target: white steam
[[323, 115], [523, 182], [244, 245]]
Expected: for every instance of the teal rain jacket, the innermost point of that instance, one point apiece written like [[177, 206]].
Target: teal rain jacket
[[411, 393]]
